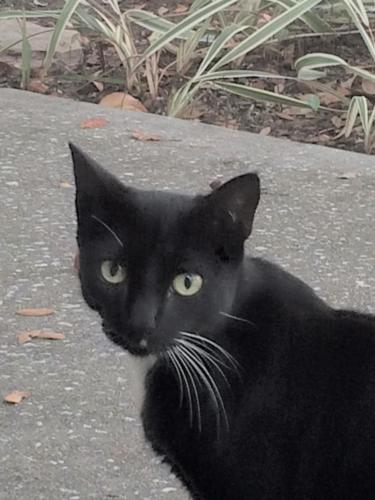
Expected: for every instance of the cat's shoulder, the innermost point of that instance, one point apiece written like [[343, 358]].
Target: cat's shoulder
[[271, 283]]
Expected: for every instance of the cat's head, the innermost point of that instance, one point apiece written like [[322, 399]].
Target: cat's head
[[155, 263]]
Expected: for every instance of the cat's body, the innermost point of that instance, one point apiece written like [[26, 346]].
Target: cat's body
[[254, 387]]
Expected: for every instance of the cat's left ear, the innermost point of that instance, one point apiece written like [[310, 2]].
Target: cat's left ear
[[239, 197]]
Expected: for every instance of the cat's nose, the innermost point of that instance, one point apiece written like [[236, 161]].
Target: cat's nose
[[143, 318]]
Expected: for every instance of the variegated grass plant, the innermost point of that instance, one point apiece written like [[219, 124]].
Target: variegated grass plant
[[210, 44]]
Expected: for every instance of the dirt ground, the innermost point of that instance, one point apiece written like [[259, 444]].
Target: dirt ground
[[213, 106]]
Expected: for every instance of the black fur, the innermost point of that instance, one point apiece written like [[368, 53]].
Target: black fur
[[300, 411]]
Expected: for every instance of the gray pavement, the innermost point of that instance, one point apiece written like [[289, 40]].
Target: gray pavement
[[78, 436]]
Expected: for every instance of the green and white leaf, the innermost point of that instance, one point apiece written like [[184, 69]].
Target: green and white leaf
[[357, 18], [312, 20], [26, 56], [239, 73], [261, 95], [266, 32], [150, 21], [217, 46], [192, 21], [66, 13], [307, 66]]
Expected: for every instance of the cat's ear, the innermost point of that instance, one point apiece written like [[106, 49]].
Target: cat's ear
[[91, 179], [239, 198]]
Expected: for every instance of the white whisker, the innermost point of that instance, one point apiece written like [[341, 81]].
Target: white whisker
[[237, 318], [213, 344], [171, 357], [191, 373], [189, 400], [109, 229], [209, 382], [207, 356]]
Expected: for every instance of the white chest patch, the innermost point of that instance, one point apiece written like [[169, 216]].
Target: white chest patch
[[139, 368]]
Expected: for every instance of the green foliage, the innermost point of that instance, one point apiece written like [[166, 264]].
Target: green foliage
[[211, 44]]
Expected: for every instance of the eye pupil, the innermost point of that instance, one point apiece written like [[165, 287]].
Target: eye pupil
[[187, 282], [113, 272]]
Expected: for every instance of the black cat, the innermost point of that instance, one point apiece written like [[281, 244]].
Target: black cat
[[254, 387]]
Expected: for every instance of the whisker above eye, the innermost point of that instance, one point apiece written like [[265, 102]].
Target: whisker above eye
[[109, 229]]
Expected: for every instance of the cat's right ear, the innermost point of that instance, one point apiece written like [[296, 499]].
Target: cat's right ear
[[90, 178], [238, 198]]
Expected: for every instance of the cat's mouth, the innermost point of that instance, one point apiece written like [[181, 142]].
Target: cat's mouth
[[135, 348]]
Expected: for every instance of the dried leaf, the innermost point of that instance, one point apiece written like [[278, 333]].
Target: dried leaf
[[23, 337], [40, 334], [368, 87], [76, 261], [37, 86], [99, 86], [162, 10], [7, 69], [122, 101], [348, 83], [297, 111], [285, 115], [289, 54], [265, 131], [16, 397], [65, 184], [324, 138], [337, 122], [37, 311], [94, 123], [327, 98], [215, 184], [347, 175], [180, 8], [144, 136]]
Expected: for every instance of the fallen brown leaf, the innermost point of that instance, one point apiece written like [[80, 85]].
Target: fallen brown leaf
[[285, 116], [337, 122], [162, 10], [297, 111], [288, 54], [265, 131], [368, 87], [348, 83], [39, 334], [324, 138], [327, 98], [94, 123], [122, 101], [215, 184], [180, 8], [144, 136], [37, 86], [65, 184], [37, 311], [99, 86], [16, 397], [347, 175], [76, 261]]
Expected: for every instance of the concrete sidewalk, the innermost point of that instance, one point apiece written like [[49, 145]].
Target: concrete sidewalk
[[78, 436]]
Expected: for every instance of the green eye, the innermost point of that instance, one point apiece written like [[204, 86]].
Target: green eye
[[113, 272], [187, 284]]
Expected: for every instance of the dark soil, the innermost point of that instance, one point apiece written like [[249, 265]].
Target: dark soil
[[213, 106]]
